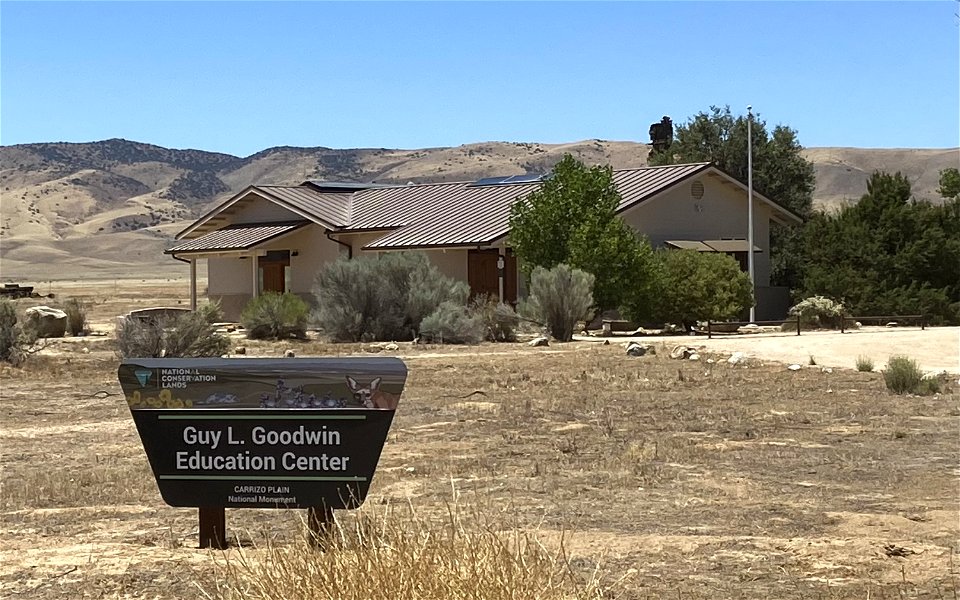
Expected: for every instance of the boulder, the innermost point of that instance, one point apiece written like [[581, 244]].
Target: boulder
[[794, 367], [638, 349], [391, 347], [682, 352], [736, 358], [47, 322], [693, 356], [539, 341]]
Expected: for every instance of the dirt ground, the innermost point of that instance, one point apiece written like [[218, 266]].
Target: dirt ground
[[936, 349], [683, 479]]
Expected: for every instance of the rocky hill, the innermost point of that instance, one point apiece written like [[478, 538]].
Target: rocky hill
[[97, 205]]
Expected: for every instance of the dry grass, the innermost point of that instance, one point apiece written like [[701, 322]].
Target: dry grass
[[395, 552], [702, 480]]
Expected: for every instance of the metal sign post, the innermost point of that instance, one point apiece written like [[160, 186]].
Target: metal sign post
[[263, 433]]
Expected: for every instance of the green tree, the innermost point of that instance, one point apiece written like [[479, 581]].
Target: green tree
[[780, 172], [887, 254], [950, 183], [698, 286], [572, 219]]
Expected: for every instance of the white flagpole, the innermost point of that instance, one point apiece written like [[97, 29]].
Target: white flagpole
[[753, 285]]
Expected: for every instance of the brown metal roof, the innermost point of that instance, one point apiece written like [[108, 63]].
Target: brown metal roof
[[438, 215], [332, 208], [446, 214], [235, 237]]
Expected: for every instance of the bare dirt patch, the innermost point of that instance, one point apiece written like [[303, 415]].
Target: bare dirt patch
[[688, 479]]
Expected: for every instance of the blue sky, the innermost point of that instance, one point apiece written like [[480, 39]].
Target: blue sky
[[242, 77]]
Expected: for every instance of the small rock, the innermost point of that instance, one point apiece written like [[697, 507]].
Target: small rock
[[794, 367], [751, 326], [826, 370], [736, 358], [636, 349], [289, 354], [241, 350], [710, 361], [606, 342], [681, 352], [893, 324], [694, 356], [391, 347], [85, 350], [539, 341]]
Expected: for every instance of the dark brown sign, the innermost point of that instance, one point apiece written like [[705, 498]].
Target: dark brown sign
[[268, 433]]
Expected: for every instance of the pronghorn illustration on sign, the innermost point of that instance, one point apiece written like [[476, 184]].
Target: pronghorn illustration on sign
[[372, 396]]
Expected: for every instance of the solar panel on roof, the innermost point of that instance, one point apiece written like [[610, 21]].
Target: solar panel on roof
[[527, 178], [503, 180]]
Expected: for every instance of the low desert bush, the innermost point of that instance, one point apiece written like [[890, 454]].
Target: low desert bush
[[903, 376], [76, 310], [452, 323], [396, 553], [864, 364], [559, 297], [188, 335], [381, 297], [500, 322], [12, 340], [275, 316], [816, 312]]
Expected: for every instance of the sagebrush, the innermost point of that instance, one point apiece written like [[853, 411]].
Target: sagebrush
[[499, 320], [381, 297], [904, 376], [12, 340], [189, 335], [76, 310], [452, 323], [559, 297], [275, 316]]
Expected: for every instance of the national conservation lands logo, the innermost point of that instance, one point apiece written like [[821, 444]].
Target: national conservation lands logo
[[270, 433]]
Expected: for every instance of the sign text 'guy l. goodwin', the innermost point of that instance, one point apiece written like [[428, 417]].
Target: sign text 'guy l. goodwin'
[[263, 432]]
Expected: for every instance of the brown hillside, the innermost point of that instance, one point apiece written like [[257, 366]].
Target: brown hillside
[[84, 205]]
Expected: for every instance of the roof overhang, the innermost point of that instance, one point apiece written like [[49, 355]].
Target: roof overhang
[[236, 239], [713, 245], [243, 195]]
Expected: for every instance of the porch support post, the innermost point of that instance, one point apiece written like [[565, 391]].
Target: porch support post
[[193, 284], [255, 289]]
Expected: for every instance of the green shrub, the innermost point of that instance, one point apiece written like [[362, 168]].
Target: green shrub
[[499, 320], [864, 364], [76, 310], [696, 286], [452, 324], [903, 376], [559, 297], [275, 316], [817, 311], [381, 297], [189, 335]]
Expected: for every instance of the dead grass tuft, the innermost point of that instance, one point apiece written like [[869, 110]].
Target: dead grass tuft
[[394, 552]]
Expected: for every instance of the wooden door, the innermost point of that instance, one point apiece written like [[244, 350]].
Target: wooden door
[[483, 277], [273, 271]]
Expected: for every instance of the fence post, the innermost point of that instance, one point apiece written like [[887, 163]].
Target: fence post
[[798, 324], [923, 322], [842, 320], [709, 330]]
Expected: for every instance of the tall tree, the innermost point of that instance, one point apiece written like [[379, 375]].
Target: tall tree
[[887, 254], [572, 219], [780, 172], [950, 183]]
